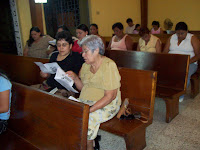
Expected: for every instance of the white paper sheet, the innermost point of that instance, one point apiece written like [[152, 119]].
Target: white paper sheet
[[48, 67], [74, 99], [62, 78]]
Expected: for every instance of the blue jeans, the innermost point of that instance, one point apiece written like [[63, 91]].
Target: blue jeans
[[192, 69]]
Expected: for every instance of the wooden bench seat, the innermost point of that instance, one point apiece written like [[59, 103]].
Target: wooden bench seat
[[43, 121], [172, 73], [141, 99]]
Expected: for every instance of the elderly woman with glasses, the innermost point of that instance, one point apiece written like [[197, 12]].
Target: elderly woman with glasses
[[186, 43], [99, 83]]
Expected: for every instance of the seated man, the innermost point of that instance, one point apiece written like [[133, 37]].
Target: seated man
[[131, 26]]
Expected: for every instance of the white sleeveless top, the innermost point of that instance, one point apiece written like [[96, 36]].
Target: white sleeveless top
[[185, 47]]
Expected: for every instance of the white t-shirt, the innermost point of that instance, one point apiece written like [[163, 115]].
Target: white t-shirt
[[129, 30]]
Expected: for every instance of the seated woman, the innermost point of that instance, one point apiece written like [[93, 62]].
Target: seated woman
[[65, 58], [5, 101], [81, 31], [186, 43], [120, 41], [94, 31], [37, 45], [148, 42], [99, 84], [156, 28], [137, 29]]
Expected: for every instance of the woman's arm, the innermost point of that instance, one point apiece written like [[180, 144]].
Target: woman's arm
[[4, 101], [167, 45], [129, 43], [25, 53], [77, 80], [158, 46], [196, 46], [108, 97]]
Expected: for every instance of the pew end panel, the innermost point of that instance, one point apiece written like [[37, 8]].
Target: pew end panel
[[139, 86], [48, 121]]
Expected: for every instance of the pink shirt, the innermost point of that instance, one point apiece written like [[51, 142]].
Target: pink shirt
[[135, 32], [120, 45], [155, 31]]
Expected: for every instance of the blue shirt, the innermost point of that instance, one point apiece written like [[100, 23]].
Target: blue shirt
[[4, 86]]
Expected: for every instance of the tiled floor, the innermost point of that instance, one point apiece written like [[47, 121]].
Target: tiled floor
[[182, 133]]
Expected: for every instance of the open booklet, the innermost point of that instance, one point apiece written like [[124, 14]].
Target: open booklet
[[48, 67], [62, 78]]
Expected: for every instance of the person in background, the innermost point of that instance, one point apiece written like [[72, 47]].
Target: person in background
[[186, 43], [66, 59], [156, 28], [120, 41], [81, 32], [148, 42], [94, 31], [130, 27], [137, 29], [99, 83], [60, 29], [38, 45], [5, 101]]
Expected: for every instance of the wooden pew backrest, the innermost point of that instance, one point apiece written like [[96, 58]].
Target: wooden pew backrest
[[22, 69], [170, 67], [47, 121]]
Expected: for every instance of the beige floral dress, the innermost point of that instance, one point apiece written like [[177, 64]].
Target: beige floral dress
[[94, 85]]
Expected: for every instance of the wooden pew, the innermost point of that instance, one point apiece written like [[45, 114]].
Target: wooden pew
[[42, 121], [22, 69], [172, 73], [135, 37], [139, 86]]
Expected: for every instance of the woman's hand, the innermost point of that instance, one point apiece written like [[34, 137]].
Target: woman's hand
[[72, 75], [44, 75], [25, 53], [77, 81]]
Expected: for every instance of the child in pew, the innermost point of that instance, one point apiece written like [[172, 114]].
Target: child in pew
[[186, 43], [66, 59], [156, 28], [137, 29], [5, 101]]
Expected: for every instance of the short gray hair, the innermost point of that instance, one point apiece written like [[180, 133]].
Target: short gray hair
[[93, 42]]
